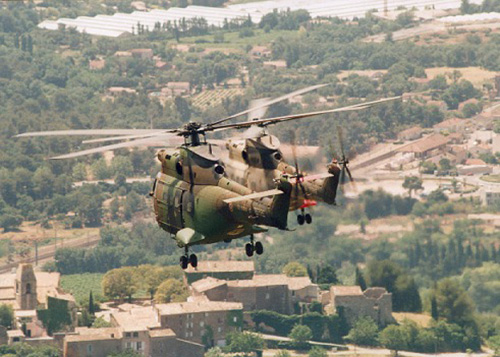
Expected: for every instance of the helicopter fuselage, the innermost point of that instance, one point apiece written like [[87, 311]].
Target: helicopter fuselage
[[189, 196]]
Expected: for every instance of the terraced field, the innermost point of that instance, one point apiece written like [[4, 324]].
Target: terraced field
[[212, 98]]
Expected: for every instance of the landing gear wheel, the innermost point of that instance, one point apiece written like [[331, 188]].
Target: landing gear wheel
[[184, 262], [300, 219], [193, 259], [249, 249], [308, 218], [259, 248]]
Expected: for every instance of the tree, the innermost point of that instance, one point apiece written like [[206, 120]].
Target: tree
[[244, 342], [317, 352], [412, 183], [453, 303], [171, 290], [6, 315], [327, 275], [91, 303], [120, 283], [360, 279], [182, 107], [214, 352], [300, 336], [394, 338], [294, 269], [364, 332], [434, 309]]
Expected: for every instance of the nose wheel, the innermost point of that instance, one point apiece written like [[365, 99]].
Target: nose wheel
[[252, 247], [187, 259], [304, 218]]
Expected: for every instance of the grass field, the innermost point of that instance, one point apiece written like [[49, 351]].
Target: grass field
[[80, 285], [491, 178]]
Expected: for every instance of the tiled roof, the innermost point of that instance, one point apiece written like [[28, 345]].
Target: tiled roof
[[207, 284], [161, 332], [221, 266], [428, 143], [339, 290], [197, 307], [137, 319]]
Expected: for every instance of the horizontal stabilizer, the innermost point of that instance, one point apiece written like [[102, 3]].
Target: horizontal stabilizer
[[253, 196]]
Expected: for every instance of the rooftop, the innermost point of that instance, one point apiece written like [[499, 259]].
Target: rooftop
[[450, 122], [197, 307], [207, 284], [339, 290], [221, 266], [136, 319], [425, 144]]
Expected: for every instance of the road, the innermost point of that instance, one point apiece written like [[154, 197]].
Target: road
[[48, 252]]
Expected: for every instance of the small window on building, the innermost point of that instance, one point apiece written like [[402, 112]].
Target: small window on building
[[219, 329], [267, 296], [129, 344], [89, 348], [127, 334], [235, 319], [136, 334], [139, 346], [28, 333], [202, 324], [15, 339]]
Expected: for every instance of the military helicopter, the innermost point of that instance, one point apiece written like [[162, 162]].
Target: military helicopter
[[193, 198]]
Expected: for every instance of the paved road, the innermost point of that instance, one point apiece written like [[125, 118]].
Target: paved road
[[48, 252]]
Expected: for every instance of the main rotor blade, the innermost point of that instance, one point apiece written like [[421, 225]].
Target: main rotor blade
[[147, 142], [88, 132], [270, 102], [270, 121], [125, 137]]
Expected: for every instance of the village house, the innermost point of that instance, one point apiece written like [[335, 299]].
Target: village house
[[412, 133], [96, 65], [373, 302], [205, 322], [262, 292], [175, 89], [101, 342], [260, 52], [224, 270], [427, 146], [142, 53], [275, 64], [123, 54], [451, 126], [116, 91]]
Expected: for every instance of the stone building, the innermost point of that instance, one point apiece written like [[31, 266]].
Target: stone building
[[101, 342], [373, 302], [262, 292], [205, 322]]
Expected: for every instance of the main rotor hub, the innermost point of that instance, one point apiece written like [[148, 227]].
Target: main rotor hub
[[192, 126]]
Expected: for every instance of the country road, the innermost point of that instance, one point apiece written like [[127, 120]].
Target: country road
[[48, 252]]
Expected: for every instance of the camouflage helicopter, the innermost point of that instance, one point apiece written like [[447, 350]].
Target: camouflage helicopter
[[193, 198]]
